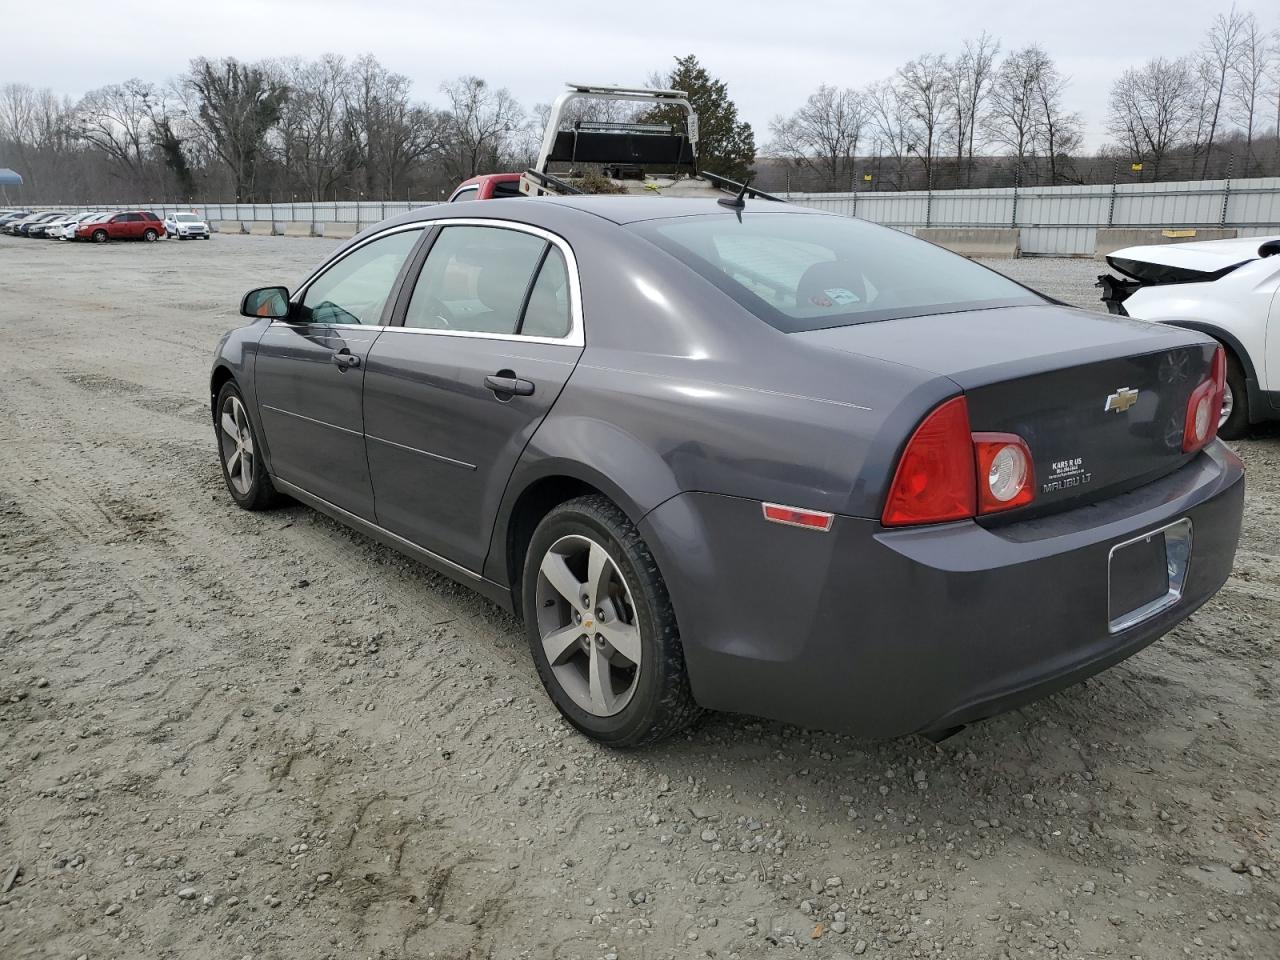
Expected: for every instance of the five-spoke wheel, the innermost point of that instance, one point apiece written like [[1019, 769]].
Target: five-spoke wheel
[[601, 628], [247, 480], [587, 625]]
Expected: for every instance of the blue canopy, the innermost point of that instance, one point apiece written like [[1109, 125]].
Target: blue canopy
[[8, 178]]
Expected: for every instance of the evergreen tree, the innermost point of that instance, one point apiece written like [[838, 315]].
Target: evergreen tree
[[726, 145]]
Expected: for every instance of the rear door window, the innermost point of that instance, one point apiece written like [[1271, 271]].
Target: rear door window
[[475, 280]]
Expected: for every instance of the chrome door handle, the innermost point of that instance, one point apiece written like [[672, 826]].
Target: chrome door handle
[[345, 360]]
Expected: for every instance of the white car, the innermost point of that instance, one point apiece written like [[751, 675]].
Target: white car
[[65, 228], [186, 226], [1225, 288]]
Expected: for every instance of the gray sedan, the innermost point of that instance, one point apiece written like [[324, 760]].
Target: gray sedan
[[763, 460]]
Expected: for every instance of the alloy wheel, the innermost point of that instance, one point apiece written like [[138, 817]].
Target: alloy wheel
[[588, 626], [237, 445]]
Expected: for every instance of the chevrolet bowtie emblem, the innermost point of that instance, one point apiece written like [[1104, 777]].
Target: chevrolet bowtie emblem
[[1121, 400]]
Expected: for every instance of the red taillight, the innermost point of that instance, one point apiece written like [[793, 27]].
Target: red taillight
[[949, 473], [935, 481], [1204, 407], [1006, 478]]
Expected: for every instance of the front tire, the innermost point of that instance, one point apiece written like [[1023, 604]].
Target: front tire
[[601, 628], [99, 236], [1235, 405], [243, 469]]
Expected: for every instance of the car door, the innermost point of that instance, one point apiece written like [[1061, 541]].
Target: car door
[[309, 372], [482, 343]]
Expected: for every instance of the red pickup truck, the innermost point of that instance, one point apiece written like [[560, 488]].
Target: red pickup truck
[[488, 186], [129, 225]]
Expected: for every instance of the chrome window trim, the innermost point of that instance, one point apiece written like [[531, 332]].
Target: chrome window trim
[[576, 337], [342, 255]]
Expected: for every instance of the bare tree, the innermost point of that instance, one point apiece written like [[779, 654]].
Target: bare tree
[[1152, 109], [1060, 130], [892, 131], [237, 107], [1248, 77], [1015, 118], [824, 133], [36, 126], [117, 119], [1217, 56], [926, 95], [481, 124], [970, 79], [316, 150], [392, 133]]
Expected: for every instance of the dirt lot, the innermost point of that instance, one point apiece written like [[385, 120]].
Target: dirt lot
[[229, 735]]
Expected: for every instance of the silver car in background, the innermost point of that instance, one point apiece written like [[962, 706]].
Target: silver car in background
[[186, 226]]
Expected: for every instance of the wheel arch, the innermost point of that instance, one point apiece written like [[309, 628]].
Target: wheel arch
[[220, 375], [1223, 336]]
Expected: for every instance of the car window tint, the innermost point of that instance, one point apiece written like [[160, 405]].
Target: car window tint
[[547, 314], [803, 272], [355, 289], [507, 188], [474, 279]]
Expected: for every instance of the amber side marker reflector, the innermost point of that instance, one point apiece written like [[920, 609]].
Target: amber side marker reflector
[[797, 517]]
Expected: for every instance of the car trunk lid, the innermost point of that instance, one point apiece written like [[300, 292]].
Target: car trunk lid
[[1101, 401]]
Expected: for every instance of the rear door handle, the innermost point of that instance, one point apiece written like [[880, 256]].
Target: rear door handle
[[509, 386], [345, 360]]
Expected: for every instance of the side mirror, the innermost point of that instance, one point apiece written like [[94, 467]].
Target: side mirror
[[270, 302]]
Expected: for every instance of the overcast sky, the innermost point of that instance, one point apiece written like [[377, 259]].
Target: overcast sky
[[771, 54]]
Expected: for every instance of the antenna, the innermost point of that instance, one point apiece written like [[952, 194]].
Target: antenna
[[738, 202]]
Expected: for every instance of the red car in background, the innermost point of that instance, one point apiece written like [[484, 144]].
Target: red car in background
[[488, 186], [127, 225]]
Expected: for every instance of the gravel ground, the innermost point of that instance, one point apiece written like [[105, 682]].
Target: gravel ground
[[229, 735]]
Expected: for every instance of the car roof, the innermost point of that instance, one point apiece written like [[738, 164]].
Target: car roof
[[634, 209]]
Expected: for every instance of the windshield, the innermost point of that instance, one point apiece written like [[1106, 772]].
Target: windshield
[[186, 218], [800, 272]]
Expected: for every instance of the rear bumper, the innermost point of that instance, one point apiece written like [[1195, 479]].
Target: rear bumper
[[888, 632]]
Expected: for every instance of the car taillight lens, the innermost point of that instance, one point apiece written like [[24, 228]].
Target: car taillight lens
[[935, 479], [1204, 407], [947, 472], [1006, 478]]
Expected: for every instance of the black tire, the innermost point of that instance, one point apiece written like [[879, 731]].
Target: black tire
[[100, 236], [662, 703], [150, 236], [260, 493], [1237, 424]]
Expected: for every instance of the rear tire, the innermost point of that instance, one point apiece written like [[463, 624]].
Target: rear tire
[[621, 699], [239, 453], [1236, 425], [150, 236]]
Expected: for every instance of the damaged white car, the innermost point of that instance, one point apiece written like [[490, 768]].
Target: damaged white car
[[1225, 288]]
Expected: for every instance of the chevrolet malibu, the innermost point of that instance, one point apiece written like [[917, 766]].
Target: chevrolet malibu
[[751, 458]]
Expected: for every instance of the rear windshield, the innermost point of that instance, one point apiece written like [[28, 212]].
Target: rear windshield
[[800, 272]]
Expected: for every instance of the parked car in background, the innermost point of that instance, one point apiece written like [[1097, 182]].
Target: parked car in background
[[43, 229], [9, 216], [73, 232], [744, 456], [39, 221], [488, 186], [126, 225], [66, 228], [1223, 288], [17, 226], [186, 226]]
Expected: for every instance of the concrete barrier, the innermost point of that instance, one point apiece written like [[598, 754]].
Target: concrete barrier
[[261, 228], [294, 229], [1111, 239], [995, 242], [317, 229], [343, 231]]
